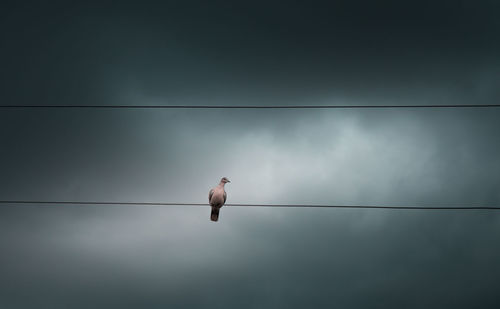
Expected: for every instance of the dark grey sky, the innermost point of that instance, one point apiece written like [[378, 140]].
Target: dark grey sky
[[256, 53]]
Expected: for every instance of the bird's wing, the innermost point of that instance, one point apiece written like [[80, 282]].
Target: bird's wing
[[225, 196], [210, 195]]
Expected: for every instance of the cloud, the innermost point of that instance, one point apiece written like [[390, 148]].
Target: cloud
[[157, 257]]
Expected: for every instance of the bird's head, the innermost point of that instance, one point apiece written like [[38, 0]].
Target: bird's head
[[224, 180]]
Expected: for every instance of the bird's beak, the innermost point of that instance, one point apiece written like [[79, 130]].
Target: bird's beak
[[228, 180]]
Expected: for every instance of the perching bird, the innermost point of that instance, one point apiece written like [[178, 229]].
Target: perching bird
[[217, 197]]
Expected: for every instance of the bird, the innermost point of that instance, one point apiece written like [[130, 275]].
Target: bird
[[216, 198]]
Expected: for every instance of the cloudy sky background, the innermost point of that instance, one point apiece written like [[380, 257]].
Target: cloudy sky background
[[355, 52]]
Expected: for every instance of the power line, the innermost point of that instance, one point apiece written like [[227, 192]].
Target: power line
[[246, 106], [83, 203]]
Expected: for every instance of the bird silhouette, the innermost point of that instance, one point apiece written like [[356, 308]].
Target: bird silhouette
[[216, 198]]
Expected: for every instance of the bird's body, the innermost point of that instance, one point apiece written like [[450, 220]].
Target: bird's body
[[216, 198]]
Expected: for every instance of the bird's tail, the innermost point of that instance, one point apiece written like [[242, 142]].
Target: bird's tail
[[214, 216]]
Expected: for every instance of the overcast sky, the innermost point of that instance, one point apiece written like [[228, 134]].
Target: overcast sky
[[252, 53]]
